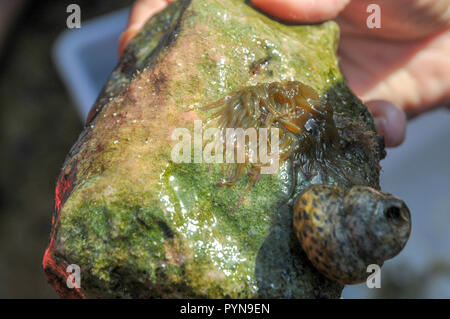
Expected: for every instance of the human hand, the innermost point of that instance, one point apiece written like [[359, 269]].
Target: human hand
[[141, 11], [403, 66]]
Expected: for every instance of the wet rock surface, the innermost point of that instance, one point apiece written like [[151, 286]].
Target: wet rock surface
[[140, 225]]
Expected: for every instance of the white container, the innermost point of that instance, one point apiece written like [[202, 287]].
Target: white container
[[85, 57]]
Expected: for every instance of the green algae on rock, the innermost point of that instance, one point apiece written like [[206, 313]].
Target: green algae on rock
[[140, 225]]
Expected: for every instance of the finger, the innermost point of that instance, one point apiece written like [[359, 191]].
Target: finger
[[302, 11], [142, 11], [390, 121], [399, 19]]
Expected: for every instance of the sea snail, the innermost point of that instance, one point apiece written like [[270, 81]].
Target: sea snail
[[344, 231]]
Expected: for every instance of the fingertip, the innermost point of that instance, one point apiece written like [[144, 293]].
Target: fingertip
[[141, 11], [302, 11], [390, 121], [125, 38]]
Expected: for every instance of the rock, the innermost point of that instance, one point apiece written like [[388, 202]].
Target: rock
[[142, 226]]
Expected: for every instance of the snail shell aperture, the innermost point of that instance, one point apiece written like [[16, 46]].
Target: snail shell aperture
[[343, 231]]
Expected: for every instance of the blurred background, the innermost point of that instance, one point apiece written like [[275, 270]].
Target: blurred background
[[39, 124], [49, 78]]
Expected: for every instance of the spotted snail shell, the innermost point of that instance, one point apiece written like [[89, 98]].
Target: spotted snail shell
[[343, 231]]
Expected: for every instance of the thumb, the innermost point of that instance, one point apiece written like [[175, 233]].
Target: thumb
[[302, 11]]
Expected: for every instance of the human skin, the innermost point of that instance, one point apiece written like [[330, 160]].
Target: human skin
[[401, 68]]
